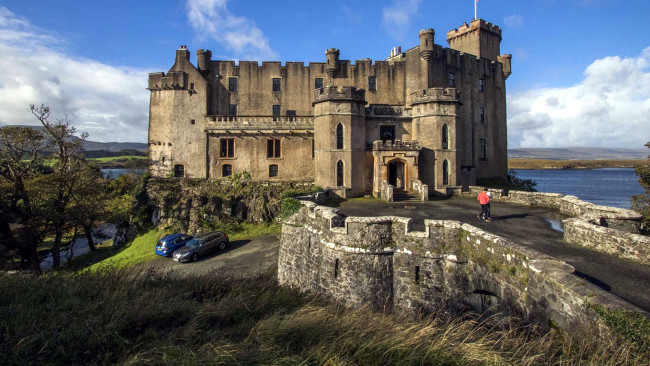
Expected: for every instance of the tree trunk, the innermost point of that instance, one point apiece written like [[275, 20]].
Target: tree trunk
[[88, 229], [56, 248]]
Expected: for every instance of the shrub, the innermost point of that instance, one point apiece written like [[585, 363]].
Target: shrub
[[289, 207]]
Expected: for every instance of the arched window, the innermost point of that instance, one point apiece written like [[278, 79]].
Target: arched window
[[226, 170], [179, 170], [339, 173], [445, 172], [339, 136], [273, 170], [445, 137]]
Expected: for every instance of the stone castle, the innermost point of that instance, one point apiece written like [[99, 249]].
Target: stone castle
[[429, 119]]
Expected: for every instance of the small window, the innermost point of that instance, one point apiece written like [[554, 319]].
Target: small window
[[192, 86], [276, 111], [481, 114], [291, 115], [192, 121], [318, 83], [273, 148], [481, 85], [445, 172], [277, 84], [339, 136], [417, 274], [226, 170], [336, 268], [483, 150], [232, 84], [227, 148], [339, 174], [179, 170], [387, 133], [273, 170], [372, 83], [451, 79], [445, 136], [163, 159], [232, 109]]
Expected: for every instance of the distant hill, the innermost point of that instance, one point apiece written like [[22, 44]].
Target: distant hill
[[106, 146], [578, 153]]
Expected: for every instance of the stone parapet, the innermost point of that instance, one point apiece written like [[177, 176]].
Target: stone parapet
[[435, 95], [396, 145], [479, 24], [344, 93], [383, 262], [622, 225], [232, 124]]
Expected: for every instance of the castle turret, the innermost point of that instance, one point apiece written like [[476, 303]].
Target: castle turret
[[340, 140], [479, 38], [332, 68], [426, 43], [506, 61], [203, 58]]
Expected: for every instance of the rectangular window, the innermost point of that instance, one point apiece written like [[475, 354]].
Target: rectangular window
[[232, 109], [451, 79], [483, 150], [227, 148], [192, 86], [273, 148], [481, 85], [372, 83], [226, 170], [318, 83], [276, 111], [291, 115], [193, 121], [417, 274], [276, 84], [232, 84], [273, 171], [481, 114]]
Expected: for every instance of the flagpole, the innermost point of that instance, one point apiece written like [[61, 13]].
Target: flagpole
[[475, 14]]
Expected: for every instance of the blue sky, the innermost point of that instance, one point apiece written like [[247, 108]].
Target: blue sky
[[581, 68]]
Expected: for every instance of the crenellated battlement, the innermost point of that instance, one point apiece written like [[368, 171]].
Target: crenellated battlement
[[475, 25], [396, 145], [173, 80], [435, 95], [344, 93]]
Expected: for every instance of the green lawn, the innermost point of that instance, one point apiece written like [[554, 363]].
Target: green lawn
[[113, 158]]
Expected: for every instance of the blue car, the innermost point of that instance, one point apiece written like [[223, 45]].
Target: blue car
[[167, 245]]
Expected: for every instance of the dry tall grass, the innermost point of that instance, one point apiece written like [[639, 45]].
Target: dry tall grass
[[121, 317]]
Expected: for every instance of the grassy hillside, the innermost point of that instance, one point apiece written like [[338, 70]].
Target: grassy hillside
[[572, 164], [146, 317]]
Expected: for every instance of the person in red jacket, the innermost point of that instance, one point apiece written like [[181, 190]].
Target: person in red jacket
[[484, 200]]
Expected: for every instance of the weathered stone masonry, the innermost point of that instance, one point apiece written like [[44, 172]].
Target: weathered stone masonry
[[451, 265]]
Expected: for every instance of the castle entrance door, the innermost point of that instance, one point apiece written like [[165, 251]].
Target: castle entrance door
[[396, 174]]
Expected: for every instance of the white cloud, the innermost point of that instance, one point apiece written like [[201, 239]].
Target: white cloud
[[108, 102], [515, 21], [609, 108], [239, 35], [397, 16]]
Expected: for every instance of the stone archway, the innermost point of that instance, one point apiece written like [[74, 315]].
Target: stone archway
[[397, 173]]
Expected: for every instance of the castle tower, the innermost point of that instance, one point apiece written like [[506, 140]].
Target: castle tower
[[203, 59], [339, 140], [479, 38], [437, 126], [332, 68], [426, 43]]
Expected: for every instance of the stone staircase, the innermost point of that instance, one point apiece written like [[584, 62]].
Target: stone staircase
[[400, 195]]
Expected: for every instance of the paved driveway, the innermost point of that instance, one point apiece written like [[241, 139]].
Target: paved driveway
[[529, 226], [241, 257]]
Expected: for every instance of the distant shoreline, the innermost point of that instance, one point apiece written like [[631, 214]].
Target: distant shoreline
[[547, 164]]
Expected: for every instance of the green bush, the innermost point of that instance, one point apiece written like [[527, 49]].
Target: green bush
[[289, 207]]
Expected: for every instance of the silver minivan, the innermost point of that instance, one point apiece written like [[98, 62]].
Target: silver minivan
[[200, 245]]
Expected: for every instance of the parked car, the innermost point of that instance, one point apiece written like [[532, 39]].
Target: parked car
[[170, 243], [201, 245]]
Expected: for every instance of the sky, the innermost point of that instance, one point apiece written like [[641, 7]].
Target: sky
[[581, 68]]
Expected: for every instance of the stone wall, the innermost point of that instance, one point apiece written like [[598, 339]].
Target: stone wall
[[611, 230], [382, 262]]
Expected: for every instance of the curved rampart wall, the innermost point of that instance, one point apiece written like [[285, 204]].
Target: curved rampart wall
[[381, 261]]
